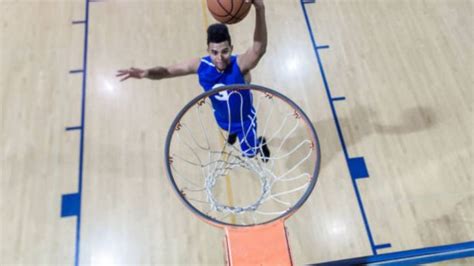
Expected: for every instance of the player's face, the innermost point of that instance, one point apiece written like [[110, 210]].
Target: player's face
[[220, 54]]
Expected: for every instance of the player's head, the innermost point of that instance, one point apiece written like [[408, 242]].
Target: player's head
[[219, 45]]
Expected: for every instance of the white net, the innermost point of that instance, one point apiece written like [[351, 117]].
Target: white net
[[240, 183]]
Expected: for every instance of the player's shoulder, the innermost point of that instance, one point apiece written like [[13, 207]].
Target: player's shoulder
[[206, 61], [238, 61]]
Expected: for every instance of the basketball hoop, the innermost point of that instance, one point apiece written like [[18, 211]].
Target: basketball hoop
[[239, 186]]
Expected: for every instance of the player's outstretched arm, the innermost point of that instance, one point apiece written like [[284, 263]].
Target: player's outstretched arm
[[252, 56], [159, 72]]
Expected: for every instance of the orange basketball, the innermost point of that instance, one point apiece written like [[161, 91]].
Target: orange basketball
[[228, 11]]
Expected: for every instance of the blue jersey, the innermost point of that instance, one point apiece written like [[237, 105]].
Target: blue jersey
[[240, 102]]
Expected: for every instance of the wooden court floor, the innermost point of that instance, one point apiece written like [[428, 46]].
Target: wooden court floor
[[388, 85]]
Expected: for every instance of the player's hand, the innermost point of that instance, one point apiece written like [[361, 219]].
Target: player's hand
[[133, 72]]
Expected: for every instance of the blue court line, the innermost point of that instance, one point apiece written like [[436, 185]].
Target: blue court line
[[338, 99], [323, 47], [412, 257], [83, 123], [430, 258], [358, 169], [71, 203], [74, 128], [381, 246], [76, 71]]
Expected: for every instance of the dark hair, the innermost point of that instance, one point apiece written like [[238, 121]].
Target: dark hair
[[218, 33]]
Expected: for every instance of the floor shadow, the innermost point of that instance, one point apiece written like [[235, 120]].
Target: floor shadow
[[364, 122]]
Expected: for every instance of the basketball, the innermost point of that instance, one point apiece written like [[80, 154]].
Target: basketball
[[229, 11]]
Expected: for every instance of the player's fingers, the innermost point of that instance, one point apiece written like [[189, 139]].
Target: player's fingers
[[125, 78], [121, 74]]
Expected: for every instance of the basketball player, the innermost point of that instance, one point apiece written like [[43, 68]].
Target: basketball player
[[222, 68]]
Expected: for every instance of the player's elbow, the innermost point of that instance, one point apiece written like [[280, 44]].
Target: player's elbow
[[261, 49]]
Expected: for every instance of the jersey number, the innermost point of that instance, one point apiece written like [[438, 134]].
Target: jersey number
[[222, 95]]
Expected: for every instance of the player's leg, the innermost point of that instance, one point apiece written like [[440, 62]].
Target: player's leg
[[248, 141], [232, 138], [231, 129], [250, 144], [263, 150]]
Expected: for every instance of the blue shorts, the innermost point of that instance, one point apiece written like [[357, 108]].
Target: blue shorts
[[246, 131]]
